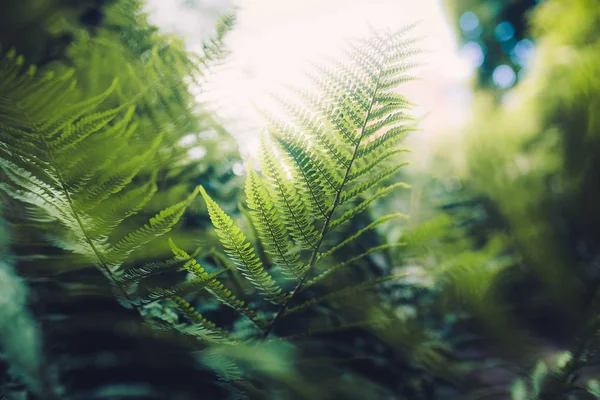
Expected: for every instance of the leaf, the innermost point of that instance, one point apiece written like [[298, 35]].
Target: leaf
[[213, 286], [202, 327], [349, 262], [285, 197], [160, 224], [239, 249], [518, 390], [362, 231], [270, 229]]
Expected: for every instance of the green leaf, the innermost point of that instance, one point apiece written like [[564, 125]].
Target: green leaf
[[269, 226], [362, 231], [518, 390], [285, 197], [160, 224], [240, 251], [347, 263], [213, 286]]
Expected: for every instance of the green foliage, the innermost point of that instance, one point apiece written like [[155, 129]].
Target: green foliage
[[318, 291], [48, 160], [358, 120], [89, 162], [514, 263]]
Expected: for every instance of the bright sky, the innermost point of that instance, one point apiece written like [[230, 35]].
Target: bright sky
[[274, 40]]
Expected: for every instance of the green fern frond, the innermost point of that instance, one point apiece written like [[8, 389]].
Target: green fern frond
[[157, 226], [201, 326], [364, 169], [293, 212], [239, 249], [269, 227], [335, 149], [375, 181], [213, 286], [362, 231], [58, 153], [348, 215]]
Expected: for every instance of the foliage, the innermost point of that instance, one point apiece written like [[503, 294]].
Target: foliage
[[313, 287], [88, 163], [518, 202], [494, 33]]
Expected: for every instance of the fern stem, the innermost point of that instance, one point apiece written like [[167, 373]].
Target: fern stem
[[314, 256]]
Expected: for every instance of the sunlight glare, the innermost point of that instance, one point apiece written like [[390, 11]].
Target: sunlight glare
[[274, 41]]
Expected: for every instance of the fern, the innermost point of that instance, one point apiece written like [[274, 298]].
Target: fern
[[324, 167], [47, 160], [339, 151]]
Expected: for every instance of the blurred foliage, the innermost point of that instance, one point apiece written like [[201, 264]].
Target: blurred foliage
[[494, 36], [518, 265]]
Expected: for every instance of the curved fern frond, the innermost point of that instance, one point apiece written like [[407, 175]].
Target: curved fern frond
[[349, 262], [201, 326], [364, 230], [269, 227], [338, 147], [157, 226], [213, 286], [362, 206], [239, 249], [53, 154], [294, 213]]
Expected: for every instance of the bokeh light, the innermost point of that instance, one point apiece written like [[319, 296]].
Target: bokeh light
[[473, 52], [504, 31], [522, 52], [504, 76], [469, 21]]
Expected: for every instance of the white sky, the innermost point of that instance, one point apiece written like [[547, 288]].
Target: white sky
[[274, 40]]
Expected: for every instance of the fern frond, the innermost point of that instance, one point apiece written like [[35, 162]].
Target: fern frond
[[348, 215], [360, 188], [239, 249], [161, 293], [294, 213], [122, 206], [202, 327], [53, 157], [113, 182], [58, 124], [310, 184], [333, 152], [269, 227], [363, 170], [213, 286], [157, 226]]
